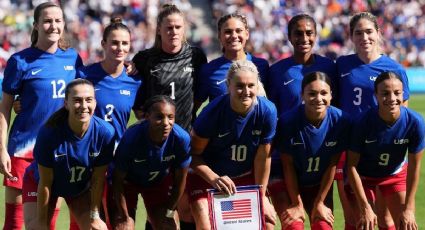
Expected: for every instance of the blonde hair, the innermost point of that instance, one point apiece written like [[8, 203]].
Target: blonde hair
[[248, 66]]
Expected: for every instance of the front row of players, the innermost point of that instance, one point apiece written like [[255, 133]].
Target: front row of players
[[230, 145]]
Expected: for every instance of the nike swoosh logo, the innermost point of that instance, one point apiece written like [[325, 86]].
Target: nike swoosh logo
[[219, 82], [155, 70], [297, 143], [345, 74], [138, 161], [369, 141], [223, 135], [59, 155], [287, 82], [96, 89], [34, 72], [330, 143]]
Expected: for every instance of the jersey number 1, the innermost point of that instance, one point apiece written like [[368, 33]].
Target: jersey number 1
[[173, 90]]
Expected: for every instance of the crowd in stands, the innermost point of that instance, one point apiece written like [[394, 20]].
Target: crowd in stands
[[402, 24]]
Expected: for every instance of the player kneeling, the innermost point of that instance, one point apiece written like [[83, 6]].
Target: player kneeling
[[152, 159], [71, 154]]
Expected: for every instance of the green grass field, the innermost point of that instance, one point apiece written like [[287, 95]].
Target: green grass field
[[417, 102]]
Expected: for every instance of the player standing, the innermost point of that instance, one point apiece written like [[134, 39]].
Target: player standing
[[283, 88], [233, 33], [38, 74]]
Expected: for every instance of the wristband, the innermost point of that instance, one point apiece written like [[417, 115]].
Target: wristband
[[94, 215], [169, 213]]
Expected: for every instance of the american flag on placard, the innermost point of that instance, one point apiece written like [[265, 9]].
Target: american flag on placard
[[236, 209]]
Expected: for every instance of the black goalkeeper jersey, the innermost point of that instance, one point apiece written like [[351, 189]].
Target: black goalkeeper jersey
[[174, 75]]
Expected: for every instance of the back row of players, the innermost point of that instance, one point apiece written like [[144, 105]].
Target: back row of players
[[230, 140]]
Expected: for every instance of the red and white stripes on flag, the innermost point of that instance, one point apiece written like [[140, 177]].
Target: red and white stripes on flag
[[236, 209]]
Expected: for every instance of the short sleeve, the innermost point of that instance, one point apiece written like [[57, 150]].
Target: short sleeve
[[13, 75], [199, 61], [406, 90], [357, 136], [107, 149], [43, 149], [183, 157], [283, 138], [80, 73], [121, 160], [205, 123], [417, 140], [269, 126], [78, 62], [201, 85]]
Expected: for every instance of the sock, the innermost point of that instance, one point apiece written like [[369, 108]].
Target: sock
[[14, 217], [72, 223], [187, 225], [54, 218]]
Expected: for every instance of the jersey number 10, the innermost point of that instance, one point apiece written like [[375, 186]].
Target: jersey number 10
[[239, 152]]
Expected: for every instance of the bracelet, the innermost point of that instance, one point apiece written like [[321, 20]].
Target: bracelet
[[169, 213], [94, 214]]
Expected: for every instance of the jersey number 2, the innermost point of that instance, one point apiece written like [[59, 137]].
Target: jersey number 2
[[110, 108]]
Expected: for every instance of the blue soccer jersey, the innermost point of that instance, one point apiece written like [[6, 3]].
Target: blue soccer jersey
[[212, 82], [147, 164], [383, 148], [312, 148], [234, 139], [284, 82], [40, 79], [115, 96], [356, 80], [71, 158]]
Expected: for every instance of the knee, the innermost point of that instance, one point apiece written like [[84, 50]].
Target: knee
[[201, 216], [385, 221]]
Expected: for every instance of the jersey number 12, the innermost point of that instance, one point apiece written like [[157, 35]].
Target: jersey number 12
[[58, 88]]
